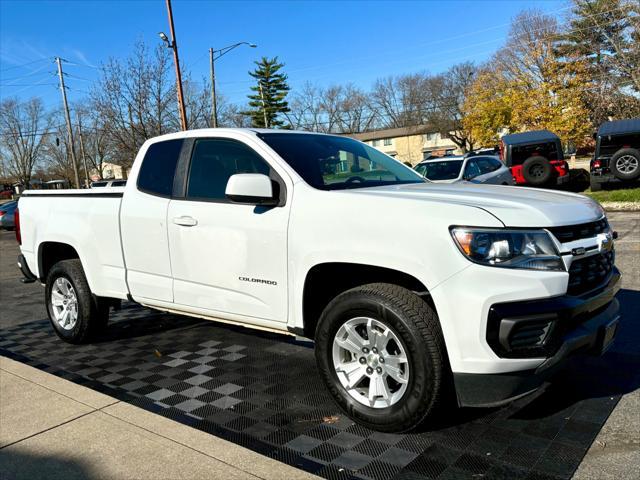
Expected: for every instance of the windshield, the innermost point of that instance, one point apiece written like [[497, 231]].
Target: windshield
[[447, 170], [329, 162]]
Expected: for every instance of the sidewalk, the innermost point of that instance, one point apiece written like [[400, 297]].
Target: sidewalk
[[52, 428]]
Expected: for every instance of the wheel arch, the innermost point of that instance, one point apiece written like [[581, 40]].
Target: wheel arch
[[324, 281], [50, 253]]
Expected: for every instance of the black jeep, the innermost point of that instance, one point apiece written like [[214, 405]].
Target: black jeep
[[617, 155]]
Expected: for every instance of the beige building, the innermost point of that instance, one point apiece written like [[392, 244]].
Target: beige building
[[109, 171], [409, 144]]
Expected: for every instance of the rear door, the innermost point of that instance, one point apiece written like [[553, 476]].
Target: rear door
[[228, 258], [143, 221]]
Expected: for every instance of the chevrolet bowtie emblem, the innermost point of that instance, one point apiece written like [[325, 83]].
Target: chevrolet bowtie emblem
[[607, 242]]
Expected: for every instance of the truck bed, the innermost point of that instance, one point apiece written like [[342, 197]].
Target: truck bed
[[88, 220]]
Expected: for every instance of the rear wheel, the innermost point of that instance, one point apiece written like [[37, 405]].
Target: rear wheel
[[75, 313], [381, 353], [537, 171]]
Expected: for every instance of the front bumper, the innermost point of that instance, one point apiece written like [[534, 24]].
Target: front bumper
[[585, 324], [561, 180]]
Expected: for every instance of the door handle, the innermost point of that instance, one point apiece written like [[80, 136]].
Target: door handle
[[185, 221]]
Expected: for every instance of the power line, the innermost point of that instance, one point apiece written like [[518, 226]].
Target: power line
[[441, 52], [25, 64], [24, 84], [38, 71]]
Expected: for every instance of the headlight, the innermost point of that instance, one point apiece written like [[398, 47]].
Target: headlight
[[527, 249]]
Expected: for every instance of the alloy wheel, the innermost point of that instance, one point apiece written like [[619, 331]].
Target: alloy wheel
[[371, 362], [64, 303], [627, 164]]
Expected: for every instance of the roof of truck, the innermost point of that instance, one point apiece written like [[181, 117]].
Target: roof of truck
[[529, 137], [620, 127]]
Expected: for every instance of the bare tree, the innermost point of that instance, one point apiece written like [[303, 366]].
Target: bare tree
[[24, 129], [306, 109], [55, 152], [448, 93], [401, 101], [356, 113], [96, 140], [529, 47], [337, 108], [232, 115], [135, 100]]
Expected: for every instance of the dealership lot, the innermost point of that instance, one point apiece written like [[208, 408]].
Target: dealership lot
[[265, 394]]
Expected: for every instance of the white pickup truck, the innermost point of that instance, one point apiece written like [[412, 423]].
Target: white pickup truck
[[411, 291]]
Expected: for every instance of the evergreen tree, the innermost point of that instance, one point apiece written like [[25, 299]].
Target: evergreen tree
[[603, 36], [268, 101]]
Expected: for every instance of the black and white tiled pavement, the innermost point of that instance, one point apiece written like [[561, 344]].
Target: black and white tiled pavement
[[262, 391]]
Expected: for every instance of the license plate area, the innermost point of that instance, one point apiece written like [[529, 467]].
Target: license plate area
[[607, 335]]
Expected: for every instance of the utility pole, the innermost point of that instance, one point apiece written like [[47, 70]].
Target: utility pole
[[214, 105], [174, 46], [68, 118], [84, 158], [264, 108]]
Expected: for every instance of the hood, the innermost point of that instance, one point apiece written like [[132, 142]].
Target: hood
[[513, 206]]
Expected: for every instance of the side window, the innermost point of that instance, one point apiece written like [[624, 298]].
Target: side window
[[471, 170], [214, 160], [487, 165], [159, 167], [497, 164]]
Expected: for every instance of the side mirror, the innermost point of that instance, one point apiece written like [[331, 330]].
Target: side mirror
[[251, 189]]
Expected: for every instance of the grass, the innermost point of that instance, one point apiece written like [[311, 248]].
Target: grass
[[622, 195]]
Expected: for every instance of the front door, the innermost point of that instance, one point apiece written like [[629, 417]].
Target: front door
[[226, 258]]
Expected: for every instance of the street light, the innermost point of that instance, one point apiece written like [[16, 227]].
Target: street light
[[165, 39], [213, 56]]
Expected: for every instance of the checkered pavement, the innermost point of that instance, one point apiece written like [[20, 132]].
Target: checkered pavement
[[262, 391]]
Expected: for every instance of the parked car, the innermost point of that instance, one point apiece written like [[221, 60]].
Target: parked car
[[535, 158], [108, 183], [484, 151], [5, 194], [7, 215], [617, 155], [409, 289], [477, 169]]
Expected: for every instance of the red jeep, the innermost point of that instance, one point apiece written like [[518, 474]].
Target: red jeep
[[535, 158]]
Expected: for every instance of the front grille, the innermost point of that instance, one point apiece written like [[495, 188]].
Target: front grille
[[577, 232], [587, 273]]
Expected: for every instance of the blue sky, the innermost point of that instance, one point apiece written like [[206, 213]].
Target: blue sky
[[321, 42]]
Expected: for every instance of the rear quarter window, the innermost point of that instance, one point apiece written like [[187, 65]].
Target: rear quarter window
[[159, 167]]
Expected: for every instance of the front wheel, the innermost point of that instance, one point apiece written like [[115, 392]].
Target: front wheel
[[381, 353], [75, 313]]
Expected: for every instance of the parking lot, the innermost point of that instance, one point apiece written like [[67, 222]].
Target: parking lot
[[261, 391]]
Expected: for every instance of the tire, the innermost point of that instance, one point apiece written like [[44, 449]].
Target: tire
[[417, 334], [537, 171], [91, 313], [625, 164]]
